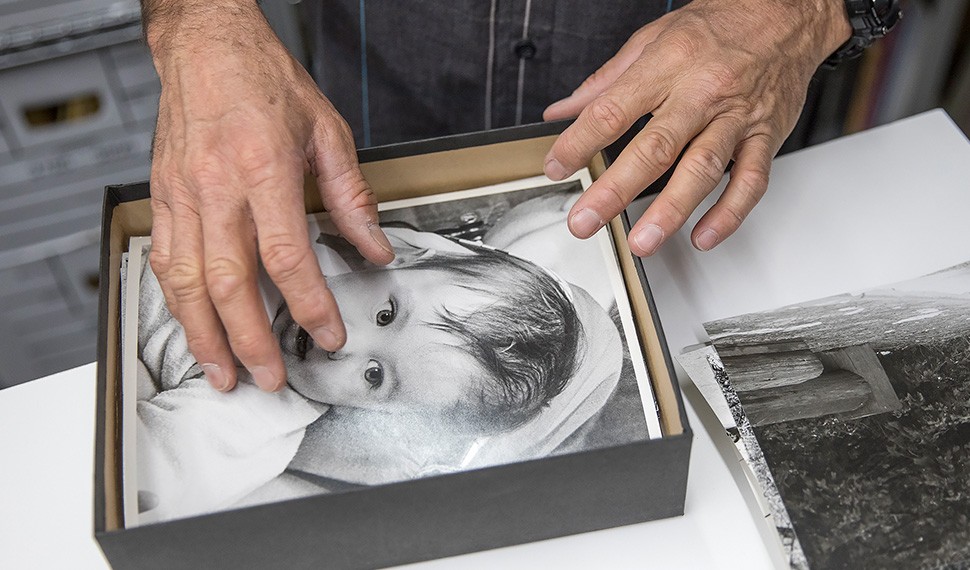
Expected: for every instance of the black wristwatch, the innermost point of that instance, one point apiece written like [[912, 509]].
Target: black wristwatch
[[870, 20]]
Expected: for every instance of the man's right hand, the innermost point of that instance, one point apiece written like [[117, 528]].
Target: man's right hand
[[240, 122]]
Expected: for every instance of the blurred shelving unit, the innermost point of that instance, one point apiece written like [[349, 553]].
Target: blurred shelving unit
[[924, 63], [78, 104], [78, 97]]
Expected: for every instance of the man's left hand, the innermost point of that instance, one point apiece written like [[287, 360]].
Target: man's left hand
[[723, 79]]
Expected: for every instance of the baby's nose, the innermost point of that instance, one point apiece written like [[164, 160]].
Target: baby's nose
[[357, 343]]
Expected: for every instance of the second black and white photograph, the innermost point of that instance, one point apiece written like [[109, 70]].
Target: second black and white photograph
[[855, 411], [493, 337]]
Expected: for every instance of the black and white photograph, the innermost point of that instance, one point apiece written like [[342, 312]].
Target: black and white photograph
[[493, 337], [132, 261], [857, 409]]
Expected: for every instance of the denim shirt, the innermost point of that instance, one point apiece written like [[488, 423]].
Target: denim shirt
[[434, 67]]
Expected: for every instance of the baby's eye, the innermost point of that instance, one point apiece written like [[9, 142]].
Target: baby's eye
[[386, 314], [295, 340], [374, 374], [303, 344]]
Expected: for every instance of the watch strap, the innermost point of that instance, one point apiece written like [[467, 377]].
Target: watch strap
[[869, 23]]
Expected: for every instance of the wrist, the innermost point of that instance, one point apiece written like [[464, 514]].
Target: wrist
[[170, 24], [808, 30], [834, 26]]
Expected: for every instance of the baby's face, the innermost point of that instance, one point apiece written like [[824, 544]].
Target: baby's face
[[394, 360]]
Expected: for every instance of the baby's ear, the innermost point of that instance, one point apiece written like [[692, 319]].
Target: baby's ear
[[411, 245], [408, 256], [343, 248]]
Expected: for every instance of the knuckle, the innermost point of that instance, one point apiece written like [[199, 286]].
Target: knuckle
[[595, 79], [654, 148], [749, 187], [363, 197], [205, 169], [676, 210], [356, 192], [225, 278], [248, 345], [332, 128], [254, 153], [751, 182], [613, 197], [590, 81], [704, 164], [261, 166], [170, 302], [640, 36], [682, 45], [160, 180], [760, 113], [159, 260], [166, 181], [568, 150], [283, 259], [718, 79], [342, 169], [344, 133], [186, 281], [354, 206], [608, 116], [199, 341], [310, 315], [735, 214]]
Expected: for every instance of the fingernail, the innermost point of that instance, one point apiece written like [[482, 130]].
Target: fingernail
[[265, 379], [327, 339], [585, 223], [706, 240], [648, 239], [378, 236], [216, 377], [554, 170]]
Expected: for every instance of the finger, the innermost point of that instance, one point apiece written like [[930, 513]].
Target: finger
[[186, 279], [230, 277], [160, 256], [651, 153], [638, 91], [345, 193], [284, 246], [748, 183], [602, 78], [699, 171]]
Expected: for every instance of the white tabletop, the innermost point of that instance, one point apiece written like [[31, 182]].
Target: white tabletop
[[861, 211]]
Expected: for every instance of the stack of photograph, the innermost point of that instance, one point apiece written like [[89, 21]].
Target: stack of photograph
[[494, 337], [502, 382]]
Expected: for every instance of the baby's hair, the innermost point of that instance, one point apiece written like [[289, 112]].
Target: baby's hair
[[527, 336]]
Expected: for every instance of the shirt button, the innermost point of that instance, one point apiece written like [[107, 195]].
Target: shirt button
[[525, 49]]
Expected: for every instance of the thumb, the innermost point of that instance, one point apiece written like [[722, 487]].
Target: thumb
[[346, 195]]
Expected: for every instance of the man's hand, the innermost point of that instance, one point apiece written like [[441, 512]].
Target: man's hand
[[723, 79], [240, 123]]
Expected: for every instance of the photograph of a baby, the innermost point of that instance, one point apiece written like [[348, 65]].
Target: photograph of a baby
[[493, 337]]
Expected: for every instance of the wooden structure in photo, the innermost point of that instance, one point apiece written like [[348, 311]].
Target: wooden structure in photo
[[785, 381]]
